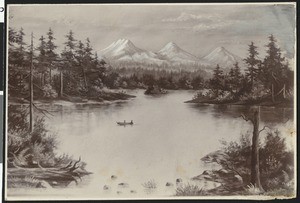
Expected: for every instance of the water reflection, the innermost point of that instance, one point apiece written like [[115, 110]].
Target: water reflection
[[268, 114]]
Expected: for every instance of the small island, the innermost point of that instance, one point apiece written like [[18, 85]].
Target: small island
[[155, 90]]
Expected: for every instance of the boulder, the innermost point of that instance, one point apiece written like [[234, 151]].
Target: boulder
[[113, 177], [123, 185], [106, 187], [178, 180]]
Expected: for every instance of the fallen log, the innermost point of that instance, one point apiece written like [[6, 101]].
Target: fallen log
[[54, 176]]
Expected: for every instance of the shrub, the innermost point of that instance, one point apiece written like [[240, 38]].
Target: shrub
[[276, 162], [49, 92], [151, 184], [189, 190]]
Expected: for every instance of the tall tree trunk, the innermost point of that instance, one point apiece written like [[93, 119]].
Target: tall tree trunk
[[61, 84], [31, 87], [255, 174], [42, 79], [272, 91], [50, 75], [84, 77]]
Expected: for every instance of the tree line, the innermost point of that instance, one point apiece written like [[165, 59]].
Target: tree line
[[270, 77], [77, 70]]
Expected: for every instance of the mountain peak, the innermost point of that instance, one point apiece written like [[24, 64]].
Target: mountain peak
[[170, 47], [171, 44], [172, 52], [120, 48], [222, 56], [122, 42], [220, 49]]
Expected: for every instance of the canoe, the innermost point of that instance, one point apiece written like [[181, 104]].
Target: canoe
[[126, 123]]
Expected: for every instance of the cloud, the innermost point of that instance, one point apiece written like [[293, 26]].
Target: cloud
[[211, 26], [189, 17]]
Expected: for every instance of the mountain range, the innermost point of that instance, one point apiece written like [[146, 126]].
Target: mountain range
[[124, 52]]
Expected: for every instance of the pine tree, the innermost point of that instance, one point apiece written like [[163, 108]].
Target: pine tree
[[252, 62], [81, 63], [12, 36], [50, 52], [100, 66], [42, 59], [18, 61], [271, 71], [68, 64], [234, 79], [217, 82]]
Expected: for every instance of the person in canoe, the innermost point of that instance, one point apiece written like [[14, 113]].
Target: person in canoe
[[125, 123]]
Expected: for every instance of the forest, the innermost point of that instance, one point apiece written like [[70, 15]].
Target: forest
[[265, 81]]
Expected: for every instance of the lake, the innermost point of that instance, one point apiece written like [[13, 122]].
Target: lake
[[166, 142]]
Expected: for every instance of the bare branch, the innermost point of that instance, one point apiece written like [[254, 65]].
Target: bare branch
[[67, 166], [74, 167], [264, 128], [38, 87], [246, 118], [43, 111]]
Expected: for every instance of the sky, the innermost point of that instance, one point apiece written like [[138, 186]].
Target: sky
[[196, 28]]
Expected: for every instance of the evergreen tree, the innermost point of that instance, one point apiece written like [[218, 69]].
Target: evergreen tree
[[217, 82], [68, 64], [252, 63], [272, 67], [197, 82], [50, 52], [81, 61], [12, 36], [18, 61], [42, 59]]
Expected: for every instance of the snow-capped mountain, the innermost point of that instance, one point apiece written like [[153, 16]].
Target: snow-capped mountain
[[174, 54], [223, 57], [123, 50]]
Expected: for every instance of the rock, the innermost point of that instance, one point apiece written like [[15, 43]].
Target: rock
[[209, 185], [54, 183], [238, 178], [178, 180], [168, 184], [132, 191], [224, 171], [207, 172], [43, 184], [123, 184], [106, 187], [119, 192], [113, 177]]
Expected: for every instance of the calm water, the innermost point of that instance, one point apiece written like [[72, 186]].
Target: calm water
[[166, 142]]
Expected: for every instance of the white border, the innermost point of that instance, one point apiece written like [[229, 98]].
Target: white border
[[254, 197]]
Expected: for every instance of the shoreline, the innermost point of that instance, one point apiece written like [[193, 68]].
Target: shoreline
[[281, 104], [104, 99]]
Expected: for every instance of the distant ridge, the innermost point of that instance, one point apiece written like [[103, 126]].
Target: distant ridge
[[123, 52]]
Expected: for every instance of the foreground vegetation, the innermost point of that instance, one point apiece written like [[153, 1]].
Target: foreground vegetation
[[276, 167], [31, 157]]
